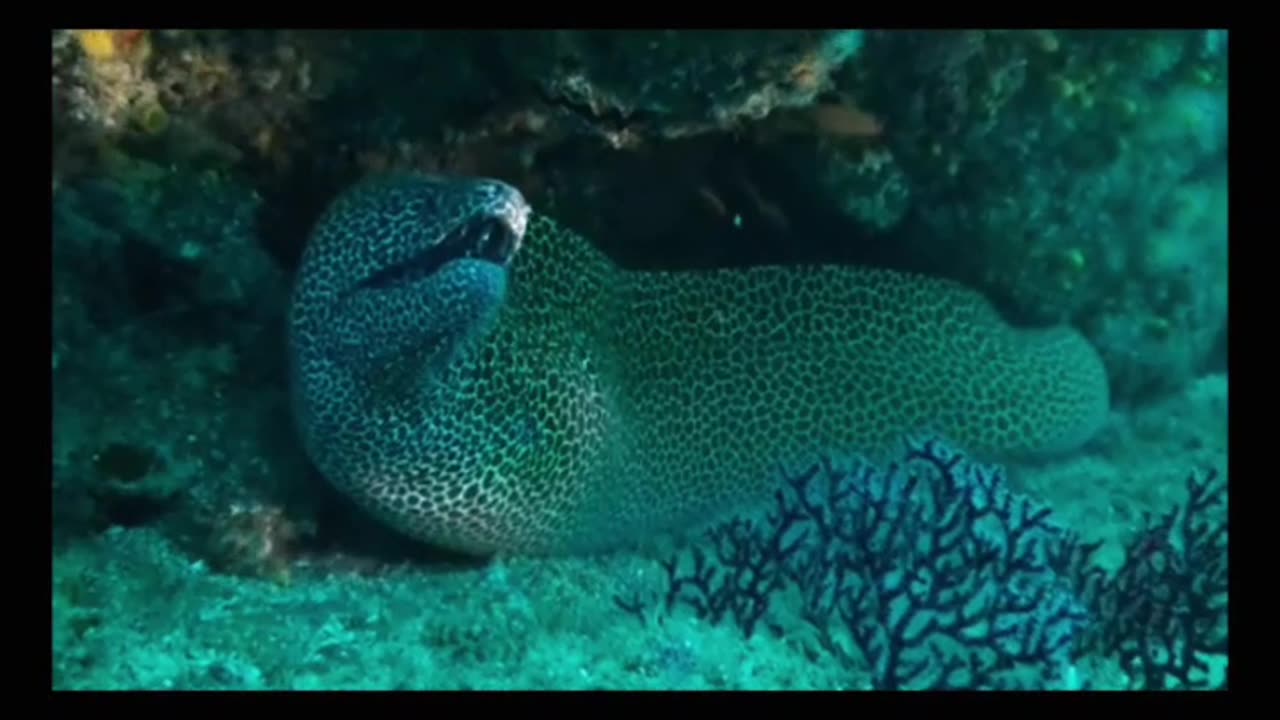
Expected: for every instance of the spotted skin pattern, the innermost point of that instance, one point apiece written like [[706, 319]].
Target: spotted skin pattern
[[561, 404]]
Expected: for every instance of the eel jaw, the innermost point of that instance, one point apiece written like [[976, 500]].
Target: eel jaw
[[491, 231], [493, 237]]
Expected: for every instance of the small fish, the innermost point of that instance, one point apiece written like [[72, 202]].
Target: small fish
[[845, 121]]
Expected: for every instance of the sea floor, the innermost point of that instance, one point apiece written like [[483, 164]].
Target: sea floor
[[131, 611]]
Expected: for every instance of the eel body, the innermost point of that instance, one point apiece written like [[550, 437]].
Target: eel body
[[483, 379]]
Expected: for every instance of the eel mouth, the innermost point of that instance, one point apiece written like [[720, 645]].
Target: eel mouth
[[488, 238], [491, 238]]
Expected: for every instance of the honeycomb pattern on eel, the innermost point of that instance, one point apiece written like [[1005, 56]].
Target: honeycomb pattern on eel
[[525, 395]]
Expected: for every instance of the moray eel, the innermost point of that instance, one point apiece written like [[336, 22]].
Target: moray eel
[[484, 380]]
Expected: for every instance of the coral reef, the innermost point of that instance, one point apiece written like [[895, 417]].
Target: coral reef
[[167, 382], [1005, 159], [630, 87], [1075, 176]]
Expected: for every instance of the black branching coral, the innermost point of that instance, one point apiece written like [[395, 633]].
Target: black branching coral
[[930, 573], [1163, 613], [932, 570]]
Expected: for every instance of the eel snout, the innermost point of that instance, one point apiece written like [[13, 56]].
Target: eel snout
[[483, 220]]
